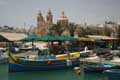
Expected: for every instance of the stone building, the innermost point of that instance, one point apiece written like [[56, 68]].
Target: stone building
[[43, 26], [63, 20]]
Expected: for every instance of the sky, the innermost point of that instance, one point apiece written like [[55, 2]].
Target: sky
[[23, 13]]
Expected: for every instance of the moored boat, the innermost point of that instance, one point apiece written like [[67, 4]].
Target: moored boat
[[113, 74], [44, 60], [98, 67], [41, 63]]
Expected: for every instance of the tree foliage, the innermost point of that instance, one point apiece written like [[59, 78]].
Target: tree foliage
[[56, 30], [118, 31], [72, 27], [82, 30]]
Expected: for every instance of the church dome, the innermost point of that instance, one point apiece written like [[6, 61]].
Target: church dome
[[63, 17]]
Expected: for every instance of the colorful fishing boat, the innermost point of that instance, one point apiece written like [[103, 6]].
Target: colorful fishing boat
[[43, 61], [40, 63], [98, 67], [113, 74]]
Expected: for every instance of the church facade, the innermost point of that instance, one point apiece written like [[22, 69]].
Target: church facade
[[45, 24]]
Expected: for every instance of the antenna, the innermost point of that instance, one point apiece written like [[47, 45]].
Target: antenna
[[84, 20]]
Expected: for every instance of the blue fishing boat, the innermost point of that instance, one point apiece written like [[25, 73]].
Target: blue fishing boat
[[98, 67], [43, 63], [113, 74]]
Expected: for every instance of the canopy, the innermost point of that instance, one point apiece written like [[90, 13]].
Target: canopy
[[3, 39], [9, 36], [65, 38], [86, 39], [48, 38], [30, 38]]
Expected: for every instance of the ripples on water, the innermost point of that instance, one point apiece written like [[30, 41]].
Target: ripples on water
[[48, 75]]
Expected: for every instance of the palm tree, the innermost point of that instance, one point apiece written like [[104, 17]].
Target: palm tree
[[72, 27], [107, 31], [56, 29], [118, 31]]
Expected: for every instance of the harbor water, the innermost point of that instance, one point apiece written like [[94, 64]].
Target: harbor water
[[48, 75]]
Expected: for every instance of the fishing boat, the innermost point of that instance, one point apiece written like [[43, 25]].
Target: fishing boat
[[40, 63], [113, 74], [98, 67]]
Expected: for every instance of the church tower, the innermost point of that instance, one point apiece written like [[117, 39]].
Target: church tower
[[41, 27], [49, 19]]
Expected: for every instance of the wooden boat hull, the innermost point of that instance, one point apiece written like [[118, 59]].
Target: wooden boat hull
[[112, 75], [25, 65], [16, 67]]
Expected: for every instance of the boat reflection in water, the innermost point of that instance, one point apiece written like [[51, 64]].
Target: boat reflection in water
[[113, 74]]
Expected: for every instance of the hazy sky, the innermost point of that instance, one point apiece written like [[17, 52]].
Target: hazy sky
[[18, 12]]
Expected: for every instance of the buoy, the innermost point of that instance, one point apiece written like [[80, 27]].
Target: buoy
[[78, 72], [76, 68], [49, 62]]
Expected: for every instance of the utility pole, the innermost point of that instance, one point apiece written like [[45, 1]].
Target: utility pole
[[24, 28]]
